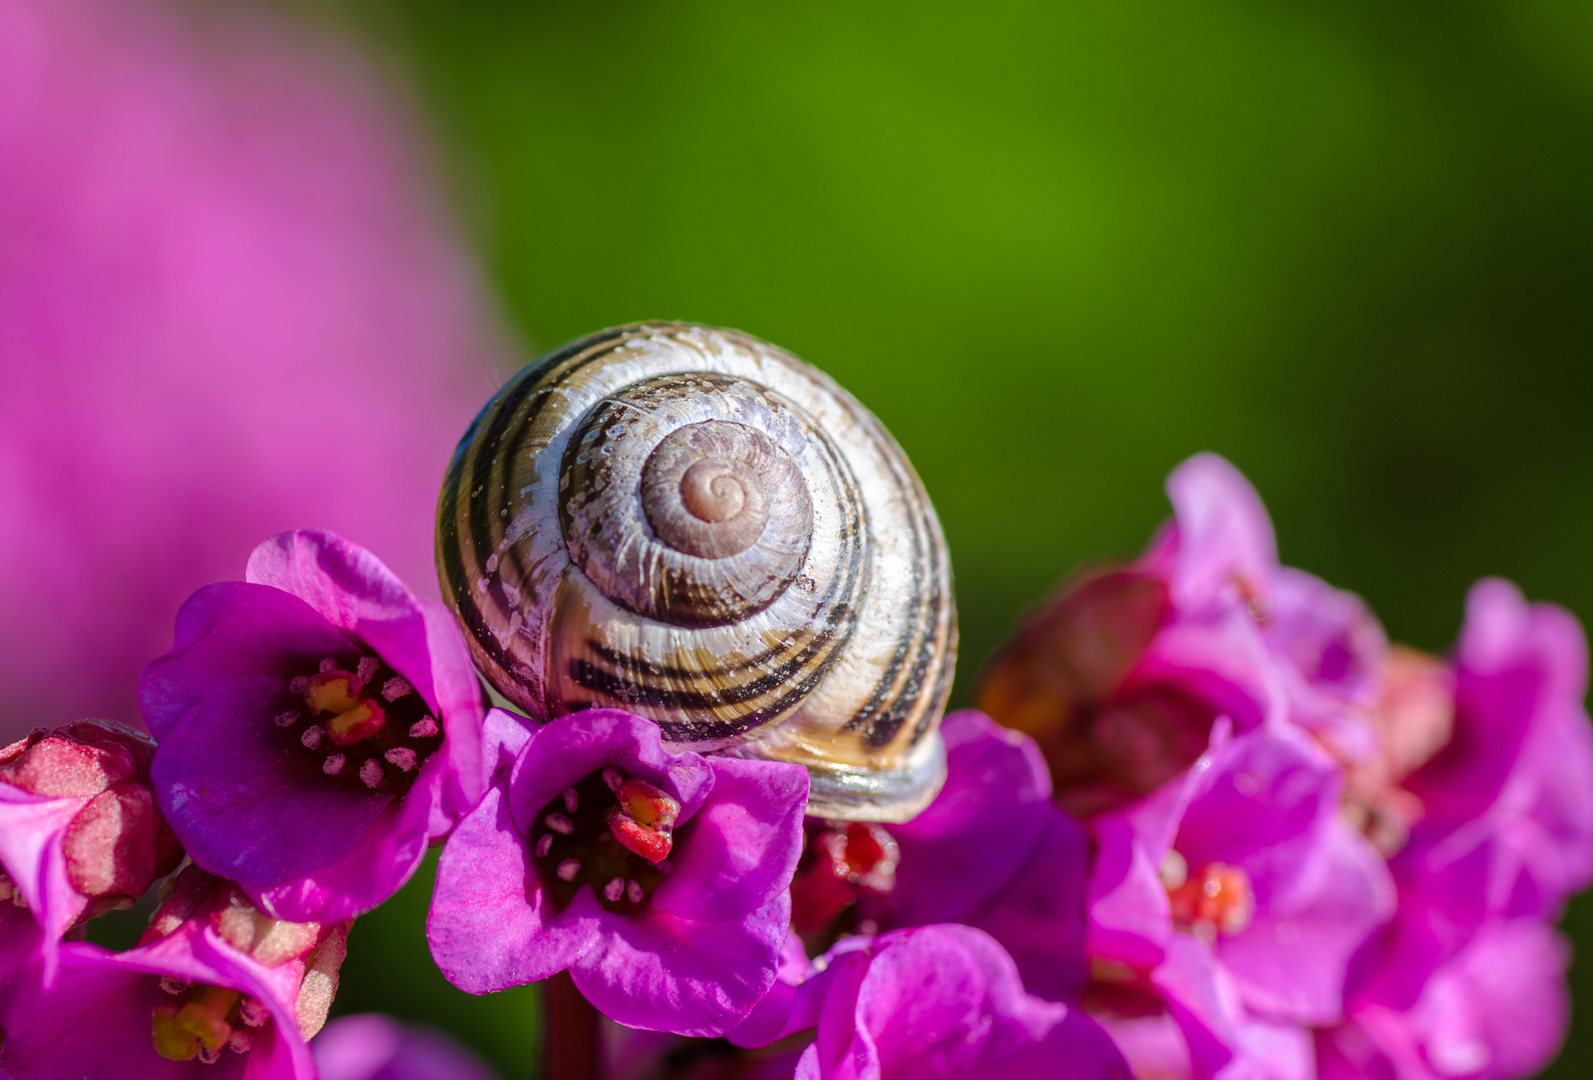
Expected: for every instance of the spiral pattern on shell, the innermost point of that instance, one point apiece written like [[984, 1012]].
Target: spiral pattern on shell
[[695, 526]]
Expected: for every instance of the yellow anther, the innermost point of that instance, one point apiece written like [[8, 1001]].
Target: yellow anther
[[360, 722], [333, 691]]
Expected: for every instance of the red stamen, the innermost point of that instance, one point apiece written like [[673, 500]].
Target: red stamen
[[651, 844], [360, 722], [1218, 899], [644, 820], [646, 804]]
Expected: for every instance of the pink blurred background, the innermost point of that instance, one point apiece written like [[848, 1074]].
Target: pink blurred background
[[231, 303]]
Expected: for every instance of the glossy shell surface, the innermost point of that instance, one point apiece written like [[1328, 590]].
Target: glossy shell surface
[[693, 525]]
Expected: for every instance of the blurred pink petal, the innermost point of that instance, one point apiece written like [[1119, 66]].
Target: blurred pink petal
[[375, 1047], [230, 305]]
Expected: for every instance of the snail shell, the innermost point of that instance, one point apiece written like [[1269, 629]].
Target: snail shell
[[695, 526]]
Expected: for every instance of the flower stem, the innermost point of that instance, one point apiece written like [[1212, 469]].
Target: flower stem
[[571, 1038]]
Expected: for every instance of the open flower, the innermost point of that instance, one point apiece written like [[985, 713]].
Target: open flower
[[80, 833], [1506, 826], [658, 879], [318, 726], [1468, 979], [1243, 888], [1122, 674], [1219, 555], [215, 985], [992, 851], [1250, 857], [929, 1003], [1496, 1010], [1185, 1019]]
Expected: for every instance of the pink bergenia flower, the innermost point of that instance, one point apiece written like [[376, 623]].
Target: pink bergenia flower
[[1120, 691], [1186, 1019], [375, 1047], [1412, 720], [214, 989], [318, 727], [658, 879], [1468, 980], [1247, 861], [1122, 674], [80, 833], [992, 851], [1219, 557], [933, 1003], [1506, 827], [230, 304], [1496, 1010]]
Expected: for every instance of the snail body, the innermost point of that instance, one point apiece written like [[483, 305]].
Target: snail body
[[697, 527]]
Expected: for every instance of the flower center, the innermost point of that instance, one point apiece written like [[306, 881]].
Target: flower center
[[609, 831], [366, 728], [1219, 900], [842, 861], [202, 1020]]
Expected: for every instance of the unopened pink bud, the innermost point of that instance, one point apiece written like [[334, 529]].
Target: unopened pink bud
[[119, 844], [78, 760]]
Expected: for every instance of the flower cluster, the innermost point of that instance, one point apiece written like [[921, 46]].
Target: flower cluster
[[1205, 823]]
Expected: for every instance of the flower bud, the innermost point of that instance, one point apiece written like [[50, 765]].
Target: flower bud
[[117, 844]]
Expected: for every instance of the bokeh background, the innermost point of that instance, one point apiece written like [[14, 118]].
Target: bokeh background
[[1057, 247]]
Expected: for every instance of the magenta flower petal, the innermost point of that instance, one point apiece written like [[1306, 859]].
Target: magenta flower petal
[[503, 736], [1129, 918], [685, 942], [244, 810], [1509, 800], [23, 964], [252, 774], [1501, 1009], [230, 629], [1039, 916], [745, 842], [1222, 1038], [355, 592], [31, 828], [95, 1019], [944, 1002], [375, 1047], [1497, 1010], [1224, 535], [1292, 959], [387, 855], [981, 830], [1330, 637], [657, 970], [488, 928], [571, 748]]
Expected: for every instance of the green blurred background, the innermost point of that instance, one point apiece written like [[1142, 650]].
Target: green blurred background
[[1058, 247]]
